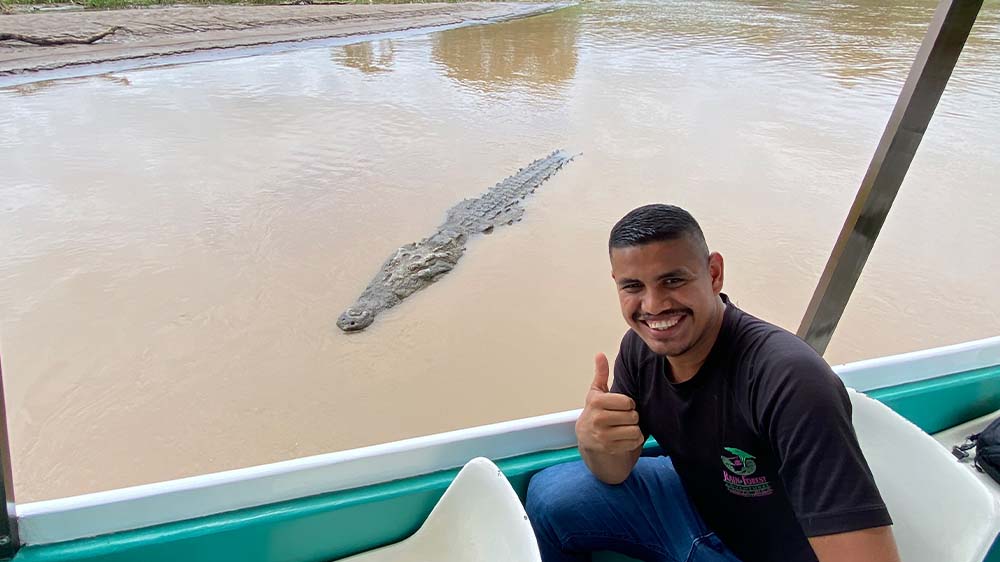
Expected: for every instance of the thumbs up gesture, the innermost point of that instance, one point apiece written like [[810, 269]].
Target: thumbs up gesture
[[609, 423]]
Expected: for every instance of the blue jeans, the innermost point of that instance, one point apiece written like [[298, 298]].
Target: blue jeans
[[648, 516]]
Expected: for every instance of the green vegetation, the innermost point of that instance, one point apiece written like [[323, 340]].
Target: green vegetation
[[115, 4]]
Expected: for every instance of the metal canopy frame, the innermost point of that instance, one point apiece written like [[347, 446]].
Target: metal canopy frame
[[9, 540], [928, 77]]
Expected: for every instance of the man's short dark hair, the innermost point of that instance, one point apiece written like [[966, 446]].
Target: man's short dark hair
[[656, 223]]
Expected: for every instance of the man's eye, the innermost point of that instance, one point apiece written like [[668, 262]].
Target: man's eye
[[631, 288], [673, 282]]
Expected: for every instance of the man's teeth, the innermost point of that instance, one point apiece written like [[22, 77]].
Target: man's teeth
[[664, 324]]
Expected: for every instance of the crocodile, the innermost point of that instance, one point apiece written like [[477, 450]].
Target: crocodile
[[418, 264]]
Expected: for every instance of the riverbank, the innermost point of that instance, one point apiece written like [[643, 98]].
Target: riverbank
[[175, 30]]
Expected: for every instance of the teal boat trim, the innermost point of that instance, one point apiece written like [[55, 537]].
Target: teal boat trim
[[937, 404], [319, 528]]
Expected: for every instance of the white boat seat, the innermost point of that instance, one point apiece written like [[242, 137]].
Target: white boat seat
[[478, 519], [940, 510]]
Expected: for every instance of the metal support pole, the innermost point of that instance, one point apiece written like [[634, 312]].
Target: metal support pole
[[928, 77], [9, 540]]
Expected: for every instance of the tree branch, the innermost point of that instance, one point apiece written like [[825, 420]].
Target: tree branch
[[70, 40]]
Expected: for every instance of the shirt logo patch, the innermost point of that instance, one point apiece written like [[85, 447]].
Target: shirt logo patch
[[738, 475]]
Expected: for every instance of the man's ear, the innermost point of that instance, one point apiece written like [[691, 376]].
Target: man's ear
[[716, 270]]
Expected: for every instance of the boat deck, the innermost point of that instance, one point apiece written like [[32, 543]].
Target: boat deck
[[956, 436]]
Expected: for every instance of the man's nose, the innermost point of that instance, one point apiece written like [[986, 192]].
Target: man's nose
[[655, 300]]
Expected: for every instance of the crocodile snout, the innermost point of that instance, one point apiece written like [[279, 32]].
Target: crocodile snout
[[355, 319]]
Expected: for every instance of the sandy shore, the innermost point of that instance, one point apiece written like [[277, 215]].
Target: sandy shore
[[165, 31]]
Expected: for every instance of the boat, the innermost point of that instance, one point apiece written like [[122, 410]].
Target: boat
[[336, 505], [909, 410]]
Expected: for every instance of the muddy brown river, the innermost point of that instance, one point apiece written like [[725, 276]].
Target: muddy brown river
[[176, 243]]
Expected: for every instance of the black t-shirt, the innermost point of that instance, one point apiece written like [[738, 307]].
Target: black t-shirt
[[761, 438]]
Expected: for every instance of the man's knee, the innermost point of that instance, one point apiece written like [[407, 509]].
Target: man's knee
[[557, 495], [553, 494]]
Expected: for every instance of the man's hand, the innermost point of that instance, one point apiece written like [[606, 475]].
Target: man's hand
[[607, 430], [609, 422]]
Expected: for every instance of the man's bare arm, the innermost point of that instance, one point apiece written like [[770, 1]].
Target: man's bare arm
[[867, 545]]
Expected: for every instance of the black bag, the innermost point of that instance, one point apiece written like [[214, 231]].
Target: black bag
[[987, 444], [988, 450]]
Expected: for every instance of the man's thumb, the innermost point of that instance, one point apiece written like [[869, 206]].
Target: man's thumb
[[601, 373]]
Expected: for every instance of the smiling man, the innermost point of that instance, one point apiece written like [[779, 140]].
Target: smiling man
[[762, 461]]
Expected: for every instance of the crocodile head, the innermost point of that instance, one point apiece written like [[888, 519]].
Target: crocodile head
[[355, 319]]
